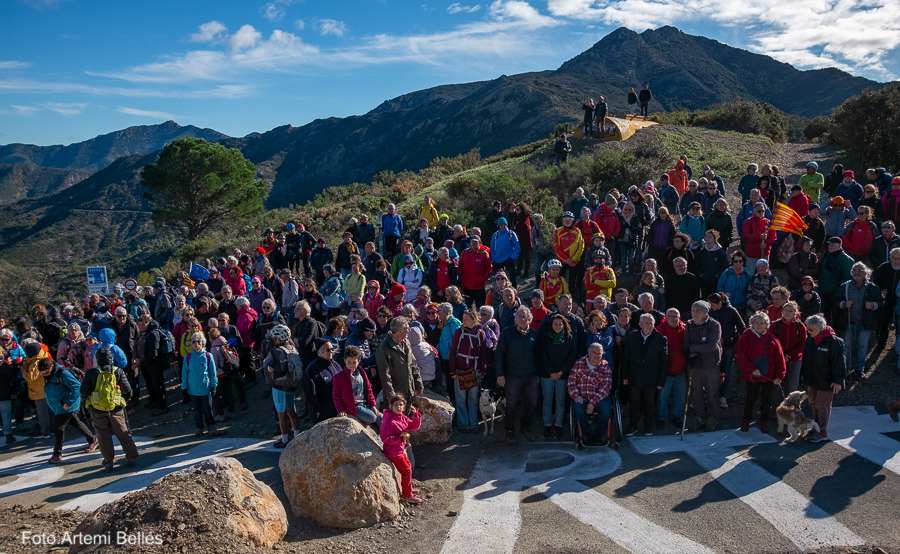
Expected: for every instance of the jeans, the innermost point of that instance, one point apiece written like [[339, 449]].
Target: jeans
[[601, 422], [6, 416], [645, 109], [725, 367], [856, 339], [288, 313], [540, 259], [509, 266], [626, 258], [521, 392], [45, 416], [366, 415], [466, 406], [523, 263], [554, 398], [676, 385]]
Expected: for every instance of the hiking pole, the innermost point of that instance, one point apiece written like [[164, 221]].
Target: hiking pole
[[687, 398]]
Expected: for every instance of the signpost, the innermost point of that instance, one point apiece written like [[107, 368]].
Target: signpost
[[97, 280]]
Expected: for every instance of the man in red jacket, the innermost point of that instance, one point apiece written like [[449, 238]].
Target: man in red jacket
[[673, 329], [474, 270]]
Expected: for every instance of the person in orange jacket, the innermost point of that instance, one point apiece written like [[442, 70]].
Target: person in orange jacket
[[679, 178], [552, 284], [599, 279], [569, 245]]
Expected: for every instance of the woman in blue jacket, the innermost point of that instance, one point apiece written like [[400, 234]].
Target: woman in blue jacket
[[735, 280], [198, 378], [505, 249], [63, 394]]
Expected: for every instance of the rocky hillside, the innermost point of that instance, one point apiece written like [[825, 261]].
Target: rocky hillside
[[28, 171]]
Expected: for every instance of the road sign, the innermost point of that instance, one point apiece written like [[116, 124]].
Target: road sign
[[130, 284], [97, 280]]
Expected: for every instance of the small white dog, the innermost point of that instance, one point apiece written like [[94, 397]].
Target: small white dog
[[791, 417], [489, 408]]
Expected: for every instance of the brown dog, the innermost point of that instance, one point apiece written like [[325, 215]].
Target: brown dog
[[790, 416]]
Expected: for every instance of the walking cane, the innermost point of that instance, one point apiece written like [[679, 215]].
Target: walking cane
[[687, 398]]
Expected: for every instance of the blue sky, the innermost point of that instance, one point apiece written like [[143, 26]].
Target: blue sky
[[71, 69]]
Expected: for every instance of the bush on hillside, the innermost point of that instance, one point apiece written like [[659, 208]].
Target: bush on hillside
[[737, 115], [817, 129], [462, 162], [868, 126]]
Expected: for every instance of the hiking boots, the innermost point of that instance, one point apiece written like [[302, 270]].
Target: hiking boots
[[55, 459], [893, 410], [558, 433], [699, 424], [548, 433], [527, 434], [745, 425]]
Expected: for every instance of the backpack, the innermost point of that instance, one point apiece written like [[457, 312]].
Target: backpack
[[106, 395], [293, 368], [166, 342], [232, 361]]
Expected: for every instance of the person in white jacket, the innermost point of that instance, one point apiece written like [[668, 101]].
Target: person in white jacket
[[411, 277]]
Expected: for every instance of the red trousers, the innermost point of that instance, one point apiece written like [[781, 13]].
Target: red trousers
[[401, 462]]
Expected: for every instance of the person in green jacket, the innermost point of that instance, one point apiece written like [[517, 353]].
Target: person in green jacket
[[812, 182], [836, 265], [406, 248]]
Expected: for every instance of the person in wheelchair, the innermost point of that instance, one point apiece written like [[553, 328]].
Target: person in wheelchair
[[589, 385]]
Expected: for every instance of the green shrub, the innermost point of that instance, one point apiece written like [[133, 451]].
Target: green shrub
[[817, 129], [868, 126]]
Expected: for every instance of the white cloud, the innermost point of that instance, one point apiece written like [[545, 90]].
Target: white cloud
[[853, 35], [24, 110], [12, 64], [457, 8], [245, 37], [332, 27], [274, 11], [66, 109], [209, 32], [145, 113], [228, 91], [299, 24]]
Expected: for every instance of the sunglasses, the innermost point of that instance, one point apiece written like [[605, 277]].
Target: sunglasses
[[5, 339], [381, 316], [329, 350], [196, 342], [737, 261]]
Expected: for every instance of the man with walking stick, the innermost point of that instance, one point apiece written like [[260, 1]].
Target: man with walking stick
[[703, 345]]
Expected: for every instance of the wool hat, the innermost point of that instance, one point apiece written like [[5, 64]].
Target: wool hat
[[397, 288], [502, 221], [814, 206], [702, 305], [32, 349], [366, 325], [104, 357], [762, 261], [453, 253], [848, 173]]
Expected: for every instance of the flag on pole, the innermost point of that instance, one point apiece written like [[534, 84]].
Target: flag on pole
[[786, 219], [199, 272]]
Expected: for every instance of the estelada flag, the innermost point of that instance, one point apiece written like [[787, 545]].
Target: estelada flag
[[786, 219]]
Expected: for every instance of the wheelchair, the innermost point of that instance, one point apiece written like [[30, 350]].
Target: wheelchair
[[613, 430]]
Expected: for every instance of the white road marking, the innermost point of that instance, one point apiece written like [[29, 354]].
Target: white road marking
[[32, 470], [624, 527], [805, 524], [141, 479], [859, 429], [490, 515]]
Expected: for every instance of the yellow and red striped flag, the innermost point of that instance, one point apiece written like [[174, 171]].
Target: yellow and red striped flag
[[786, 219]]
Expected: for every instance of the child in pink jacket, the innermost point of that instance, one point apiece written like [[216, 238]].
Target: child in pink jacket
[[395, 430]]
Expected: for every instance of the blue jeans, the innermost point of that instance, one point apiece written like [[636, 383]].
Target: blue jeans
[[539, 260], [288, 313], [856, 339], [554, 397], [725, 367], [676, 385], [366, 415], [466, 406], [602, 420], [6, 416], [626, 258]]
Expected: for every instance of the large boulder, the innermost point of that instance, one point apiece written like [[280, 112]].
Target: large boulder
[[337, 474], [215, 503], [437, 419]]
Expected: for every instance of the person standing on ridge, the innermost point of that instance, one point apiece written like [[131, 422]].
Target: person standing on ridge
[[632, 101], [644, 96]]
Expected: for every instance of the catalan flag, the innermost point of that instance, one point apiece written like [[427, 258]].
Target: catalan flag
[[786, 219]]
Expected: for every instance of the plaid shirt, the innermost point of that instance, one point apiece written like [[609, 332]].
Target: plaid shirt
[[592, 385]]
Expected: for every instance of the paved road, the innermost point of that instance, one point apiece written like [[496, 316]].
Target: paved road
[[713, 492]]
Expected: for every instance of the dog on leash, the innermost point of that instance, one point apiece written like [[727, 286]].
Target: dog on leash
[[791, 417], [489, 406]]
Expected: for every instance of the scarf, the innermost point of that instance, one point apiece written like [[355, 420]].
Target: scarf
[[557, 338]]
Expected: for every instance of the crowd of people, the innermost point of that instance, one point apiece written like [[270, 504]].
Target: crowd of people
[[642, 294]]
